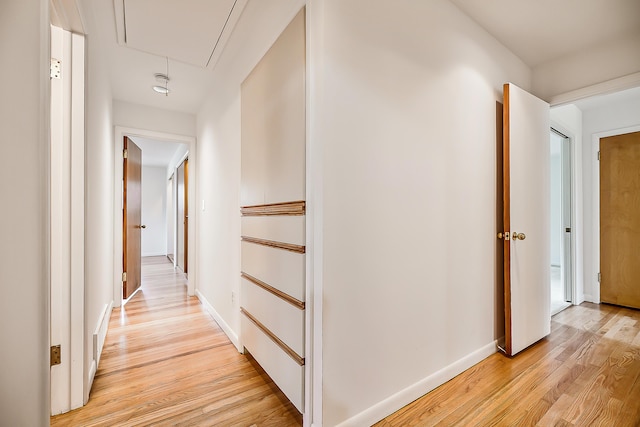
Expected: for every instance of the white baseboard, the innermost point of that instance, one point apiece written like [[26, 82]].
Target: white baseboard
[[92, 373], [589, 298], [395, 402], [154, 254], [99, 335], [220, 321]]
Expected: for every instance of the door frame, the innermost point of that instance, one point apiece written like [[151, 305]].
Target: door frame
[[66, 288], [119, 134], [614, 85], [595, 197], [576, 206]]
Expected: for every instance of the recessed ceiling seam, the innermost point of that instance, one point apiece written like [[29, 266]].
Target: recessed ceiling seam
[[124, 19], [221, 32]]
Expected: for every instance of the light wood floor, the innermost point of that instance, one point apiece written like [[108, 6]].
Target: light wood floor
[[586, 373], [166, 362]]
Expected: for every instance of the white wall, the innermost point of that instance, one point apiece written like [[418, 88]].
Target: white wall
[[409, 176], [99, 276], [137, 116], [154, 213], [610, 60], [568, 120], [609, 118], [24, 306], [218, 171]]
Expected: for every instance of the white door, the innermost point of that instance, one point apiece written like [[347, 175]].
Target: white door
[[67, 221], [526, 219]]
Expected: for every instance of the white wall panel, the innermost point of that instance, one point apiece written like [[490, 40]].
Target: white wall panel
[[284, 371], [273, 118], [408, 135], [279, 316], [286, 229], [279, 268]]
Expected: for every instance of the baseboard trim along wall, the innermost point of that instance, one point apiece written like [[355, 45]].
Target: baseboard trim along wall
[[397, 401], [220, 321], [99, 336]]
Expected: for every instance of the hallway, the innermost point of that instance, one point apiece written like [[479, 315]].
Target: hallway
[[167, 362]]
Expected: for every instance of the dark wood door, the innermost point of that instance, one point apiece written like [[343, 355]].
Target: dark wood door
[[132, 227], [526, 219], [620, 219], [182, 217]]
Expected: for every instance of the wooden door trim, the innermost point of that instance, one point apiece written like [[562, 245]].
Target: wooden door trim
[[506, 218], [125, 176]]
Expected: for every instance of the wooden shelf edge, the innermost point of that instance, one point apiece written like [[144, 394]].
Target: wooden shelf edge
[[277, 292], [285, 208], [273, 244], [295, 356]]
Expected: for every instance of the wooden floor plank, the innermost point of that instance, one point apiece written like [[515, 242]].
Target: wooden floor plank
[[166, 362], [587, 372]]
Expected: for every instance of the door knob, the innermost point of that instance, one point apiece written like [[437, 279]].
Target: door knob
[[141, 226], [518, 236]]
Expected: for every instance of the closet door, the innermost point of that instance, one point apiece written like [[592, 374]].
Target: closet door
[[526, 219]]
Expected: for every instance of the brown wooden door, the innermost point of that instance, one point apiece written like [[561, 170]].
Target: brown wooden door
[[620, 220], [182, 217], [132, 226], [526, 218]]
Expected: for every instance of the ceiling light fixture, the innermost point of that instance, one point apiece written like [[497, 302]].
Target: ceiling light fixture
[[163, 80]]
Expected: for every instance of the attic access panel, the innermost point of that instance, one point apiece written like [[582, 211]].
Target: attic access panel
[[188, 31]]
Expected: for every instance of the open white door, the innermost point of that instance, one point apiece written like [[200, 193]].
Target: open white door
[[526, 231], [67, 221]]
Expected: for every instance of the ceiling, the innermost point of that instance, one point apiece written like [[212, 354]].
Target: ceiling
[[187, 30], [609, 100], [156, 153], [139, 37], [545, 30]]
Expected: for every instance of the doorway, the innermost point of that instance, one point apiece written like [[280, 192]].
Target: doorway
[[146, 140], [561, 227], [131, 218]]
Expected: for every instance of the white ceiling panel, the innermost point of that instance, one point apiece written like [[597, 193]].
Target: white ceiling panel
[[184, 30]]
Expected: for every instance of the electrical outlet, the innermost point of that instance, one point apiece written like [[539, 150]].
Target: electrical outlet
[[233, 298]]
